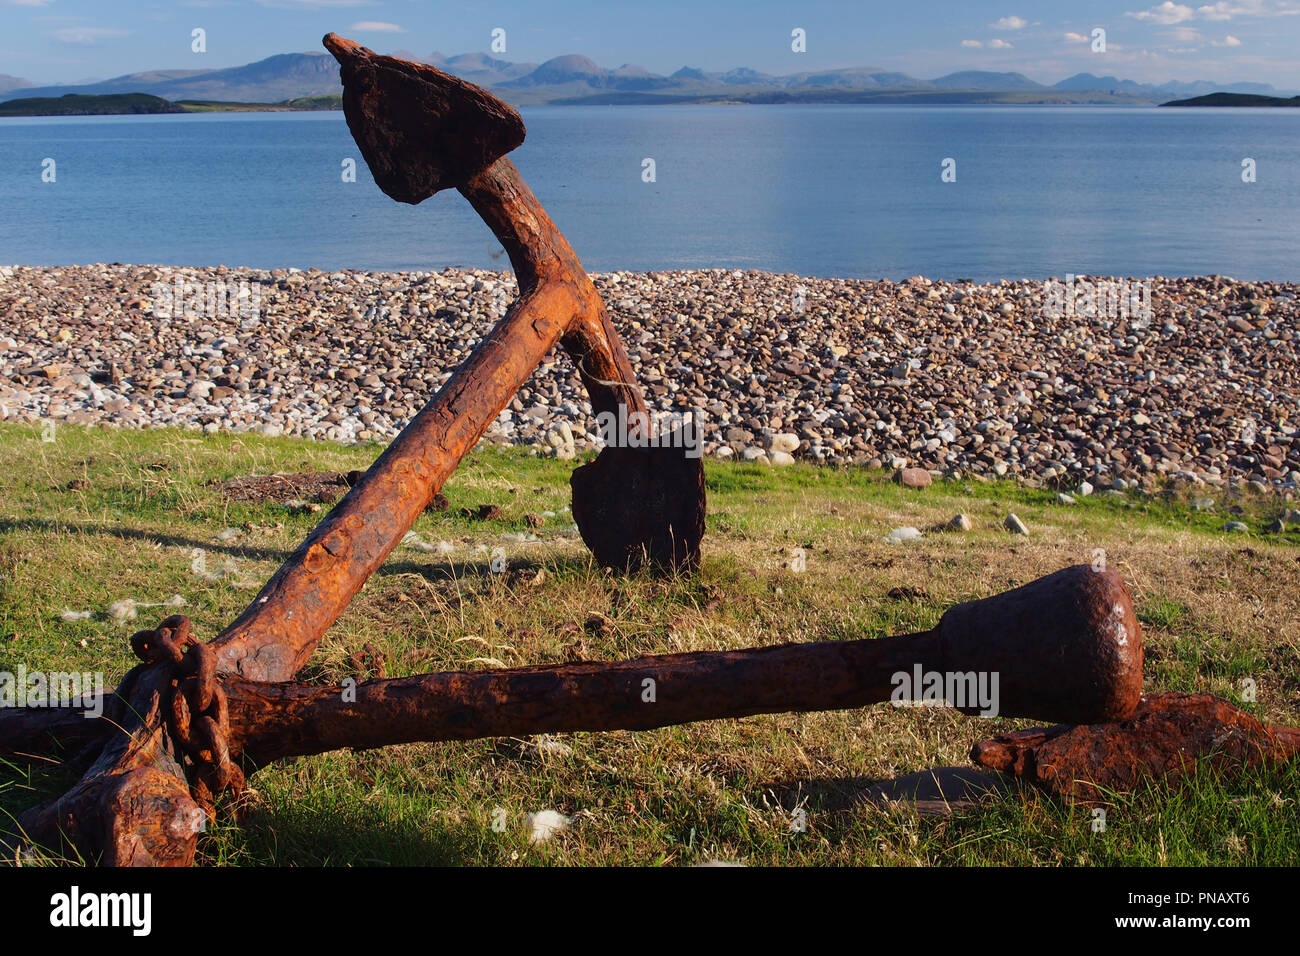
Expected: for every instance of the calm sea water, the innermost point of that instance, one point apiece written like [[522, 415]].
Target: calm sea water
[[814, 190]]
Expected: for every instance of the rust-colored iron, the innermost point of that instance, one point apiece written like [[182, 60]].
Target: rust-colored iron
[[1053, 641], [419, 129], [186, 722], [1166, 739], [660, 521]]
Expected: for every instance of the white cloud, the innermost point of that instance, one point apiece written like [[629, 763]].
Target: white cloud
[[1227, 9], [28, 3], [1010, 23], [1217, 11], [1076, 38], [375, 26], [1167, 13], [87, 36], [999, 45], [974, 44], [1229, 40], [1183, 34]]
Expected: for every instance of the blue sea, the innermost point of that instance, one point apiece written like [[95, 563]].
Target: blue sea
[[852, 191]]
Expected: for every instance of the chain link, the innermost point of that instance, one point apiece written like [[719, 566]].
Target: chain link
[[197, 714]]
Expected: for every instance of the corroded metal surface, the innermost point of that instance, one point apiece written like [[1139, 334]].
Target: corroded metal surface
[[637, 504], [419, 129], [1068, 644], [1165, 740], [1038, 635], [133, 806]]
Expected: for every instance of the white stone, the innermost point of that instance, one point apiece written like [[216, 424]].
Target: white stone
[[785, 442]]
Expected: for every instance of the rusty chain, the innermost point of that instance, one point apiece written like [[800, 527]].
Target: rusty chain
[[197, 714]]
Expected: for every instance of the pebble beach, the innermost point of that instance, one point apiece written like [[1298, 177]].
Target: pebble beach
[[947, 377]]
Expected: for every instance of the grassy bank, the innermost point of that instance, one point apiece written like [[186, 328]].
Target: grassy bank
[[96, 516]]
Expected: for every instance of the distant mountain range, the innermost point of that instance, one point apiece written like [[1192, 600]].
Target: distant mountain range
[[577, 79], [8, 83]]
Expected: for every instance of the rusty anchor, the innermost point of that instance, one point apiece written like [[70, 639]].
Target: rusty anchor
[[1066, 647]]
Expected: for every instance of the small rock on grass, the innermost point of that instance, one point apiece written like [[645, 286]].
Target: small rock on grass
[[913, 477], [959, 522], [785, 442], [1065, 499], [1015, 525], [1235, 526], [1277, 527]]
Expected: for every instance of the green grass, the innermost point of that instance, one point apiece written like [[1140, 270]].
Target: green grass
[[99, 515]]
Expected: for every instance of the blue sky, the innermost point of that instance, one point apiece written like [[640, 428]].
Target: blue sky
[[51, 41]]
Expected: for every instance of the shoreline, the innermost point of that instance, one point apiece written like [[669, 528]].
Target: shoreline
[[944, 376]]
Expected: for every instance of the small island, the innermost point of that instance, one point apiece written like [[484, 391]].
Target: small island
[[118, 104], [80, 104], [1235, 99]]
